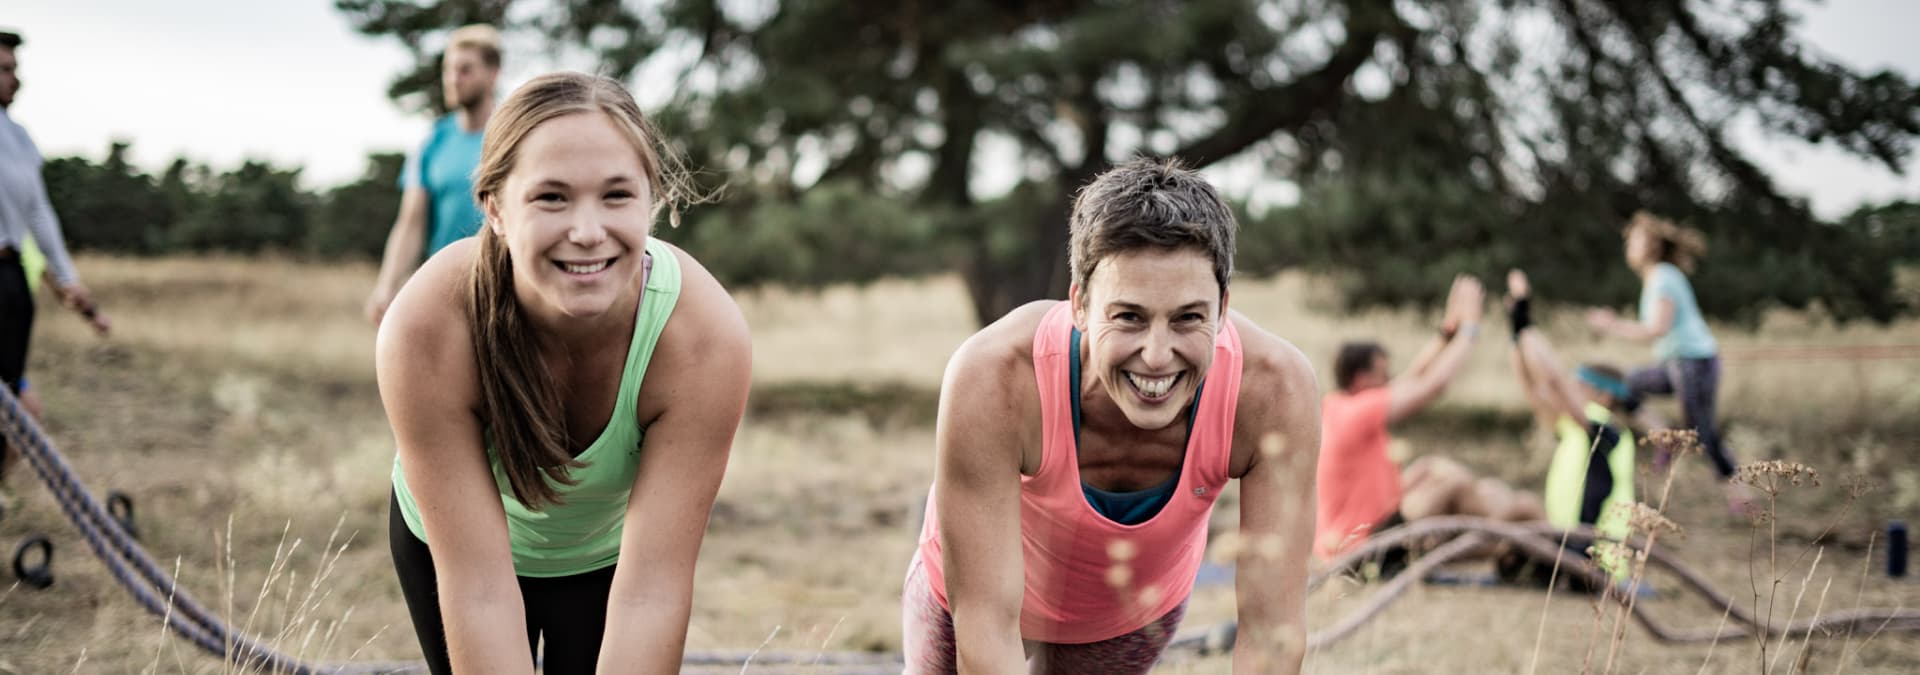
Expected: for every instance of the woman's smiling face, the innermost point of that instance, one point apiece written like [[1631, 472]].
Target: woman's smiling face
[[1149, 316], [575, 212]]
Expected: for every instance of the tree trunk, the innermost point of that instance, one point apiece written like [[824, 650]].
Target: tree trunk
[[1042, 273]]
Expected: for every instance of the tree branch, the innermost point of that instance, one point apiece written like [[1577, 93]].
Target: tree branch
[[1729, 160], [1298, 102]]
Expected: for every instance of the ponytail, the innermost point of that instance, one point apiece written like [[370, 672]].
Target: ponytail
[[519, 407]]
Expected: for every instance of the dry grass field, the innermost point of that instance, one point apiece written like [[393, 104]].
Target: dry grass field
[[236, 403]]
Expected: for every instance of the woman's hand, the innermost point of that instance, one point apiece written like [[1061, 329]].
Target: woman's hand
[[1518, 287], [1602, 320]]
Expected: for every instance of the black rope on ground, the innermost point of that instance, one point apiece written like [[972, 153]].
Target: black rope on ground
[[138, 572]]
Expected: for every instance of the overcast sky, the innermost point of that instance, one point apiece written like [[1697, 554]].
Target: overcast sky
[[222, 80]]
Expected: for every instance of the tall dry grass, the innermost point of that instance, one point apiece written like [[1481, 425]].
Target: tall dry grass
[[242, 389]]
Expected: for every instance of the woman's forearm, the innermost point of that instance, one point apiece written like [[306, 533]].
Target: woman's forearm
[[644, 637], [486, 634], [1634, 331]]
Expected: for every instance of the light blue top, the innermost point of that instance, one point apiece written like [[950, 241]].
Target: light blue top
[[1688, 338], [25, 211], [444, 167]]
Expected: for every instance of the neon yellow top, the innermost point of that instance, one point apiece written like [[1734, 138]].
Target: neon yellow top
[[34, 262], [583, 534], [1572, 482]]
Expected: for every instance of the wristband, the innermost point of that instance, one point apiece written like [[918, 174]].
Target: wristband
[[1520, 316]]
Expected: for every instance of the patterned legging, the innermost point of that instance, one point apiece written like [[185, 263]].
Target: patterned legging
[[1696, 382], [928, 634]]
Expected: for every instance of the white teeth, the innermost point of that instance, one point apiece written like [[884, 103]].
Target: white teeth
[[584, 269], [1153, 387]]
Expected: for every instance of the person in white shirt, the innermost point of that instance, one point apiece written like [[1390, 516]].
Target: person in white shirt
[[26, 213]]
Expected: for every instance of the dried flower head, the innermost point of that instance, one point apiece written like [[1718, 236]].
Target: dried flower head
[[1858, 485], [1649, 521], [1679, 442], [1773, 474]]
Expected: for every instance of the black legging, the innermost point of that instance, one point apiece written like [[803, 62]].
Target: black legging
[[16, 319], [570, 612]]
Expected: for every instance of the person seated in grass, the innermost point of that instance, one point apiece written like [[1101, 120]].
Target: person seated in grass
[[1081, 445], [1361, 488], [1590, 480]]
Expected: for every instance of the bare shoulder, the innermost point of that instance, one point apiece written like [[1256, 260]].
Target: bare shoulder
[[705, 354], [1000, 352], [989, 400], [706, 322], [1279, 393], [1272, 366], [427, 322]]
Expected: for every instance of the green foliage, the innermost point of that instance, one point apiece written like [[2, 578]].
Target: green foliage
[[1425, 141], [1893, 227], [110, 206], [113, 206], [354, 219], [249, 209], [833, 233]]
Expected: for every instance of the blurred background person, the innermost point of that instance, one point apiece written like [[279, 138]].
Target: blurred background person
[[436, 199], [27, 219]]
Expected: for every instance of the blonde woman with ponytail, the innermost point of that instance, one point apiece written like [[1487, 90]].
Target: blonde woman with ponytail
[[542, 495]]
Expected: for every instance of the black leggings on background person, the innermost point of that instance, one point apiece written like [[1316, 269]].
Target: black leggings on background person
[[569, 612], [16, 318]]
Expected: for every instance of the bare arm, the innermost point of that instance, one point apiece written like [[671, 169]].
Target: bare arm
[[1539, 399], [700, 373], [1282, 425], [1415, 390], [425, 365], [1551, 382], [1410, 393], [1423, 360], [976, 492], [1648, 330], [405, 244], [1449, 326]]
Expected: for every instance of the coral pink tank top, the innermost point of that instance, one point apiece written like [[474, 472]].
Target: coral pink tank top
[[1089, 578]]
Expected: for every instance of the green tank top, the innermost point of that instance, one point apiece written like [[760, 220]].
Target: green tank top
[[583, 534]]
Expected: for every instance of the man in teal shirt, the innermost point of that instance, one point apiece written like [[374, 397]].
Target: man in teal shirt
[[436, 199]]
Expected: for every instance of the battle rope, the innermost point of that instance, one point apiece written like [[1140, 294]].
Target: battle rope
[[1465, 536], [158, 593], [1453, 538]]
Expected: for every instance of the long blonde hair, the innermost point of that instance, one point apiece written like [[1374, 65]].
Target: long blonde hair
[[520, 403]]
